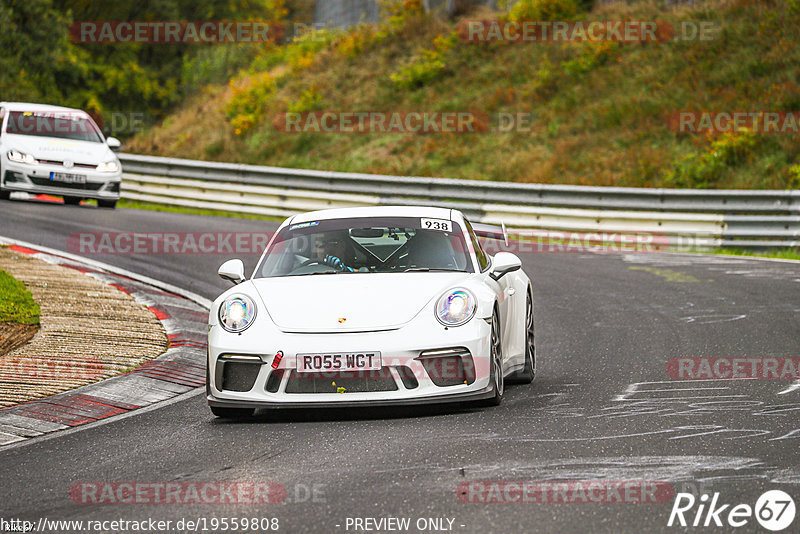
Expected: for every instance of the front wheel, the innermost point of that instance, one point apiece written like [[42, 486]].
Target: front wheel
[[496, 353], [528, 373], [111, 204], [5, 195], [232, 413]]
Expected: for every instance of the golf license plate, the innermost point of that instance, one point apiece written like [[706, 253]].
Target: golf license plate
[[339, 361], [68, 178]]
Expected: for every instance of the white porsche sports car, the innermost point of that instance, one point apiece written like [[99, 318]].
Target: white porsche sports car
[[371, 306]]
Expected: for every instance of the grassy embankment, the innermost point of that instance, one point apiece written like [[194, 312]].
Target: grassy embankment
[[599, 109]]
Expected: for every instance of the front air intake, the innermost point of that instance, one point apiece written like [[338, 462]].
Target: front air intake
[[449, 367], [237, 375]]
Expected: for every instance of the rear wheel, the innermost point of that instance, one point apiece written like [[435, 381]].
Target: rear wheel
[[5, 195], [528, 373], [496, 374], [232, 413], [107, 204], [72, 201]]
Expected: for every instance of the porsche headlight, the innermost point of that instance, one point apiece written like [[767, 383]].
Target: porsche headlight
[[456, 307], [236, 313], [108, 166], [20, 157]]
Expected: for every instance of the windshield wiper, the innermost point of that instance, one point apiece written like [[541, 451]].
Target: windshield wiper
[[331, 271], [428, 269]]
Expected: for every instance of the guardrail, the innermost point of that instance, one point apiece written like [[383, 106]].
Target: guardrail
[[690, 217]]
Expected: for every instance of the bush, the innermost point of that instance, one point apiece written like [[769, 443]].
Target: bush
[[298, 54], [216, 64], [310, 100], [356, 40], [707, 169], [397, 12], [249, 102], [425, 66], [592, 55], [543, 10], [418, 71]]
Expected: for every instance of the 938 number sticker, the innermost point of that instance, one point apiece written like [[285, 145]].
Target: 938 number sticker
[[443, 225]]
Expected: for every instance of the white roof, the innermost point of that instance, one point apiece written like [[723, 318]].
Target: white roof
[[27, 106], [374, 211]]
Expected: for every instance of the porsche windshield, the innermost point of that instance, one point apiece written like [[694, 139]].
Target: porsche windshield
[[366, 245]]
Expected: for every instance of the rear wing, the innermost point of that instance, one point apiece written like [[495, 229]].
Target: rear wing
[[491, 231]]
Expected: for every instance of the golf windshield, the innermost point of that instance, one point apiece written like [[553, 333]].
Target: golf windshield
[[366, 245], [77, 126]]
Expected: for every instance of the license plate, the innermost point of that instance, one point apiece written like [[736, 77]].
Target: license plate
[[339, 361], [68, 178]]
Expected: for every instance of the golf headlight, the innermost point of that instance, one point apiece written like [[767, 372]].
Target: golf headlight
[[20, 157], [236, 313], [108, 166], [456, 307]]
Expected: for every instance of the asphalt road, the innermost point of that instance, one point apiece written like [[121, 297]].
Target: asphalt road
[[603, 406]]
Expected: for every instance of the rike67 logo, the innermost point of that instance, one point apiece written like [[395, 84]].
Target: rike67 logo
[[774, 510]]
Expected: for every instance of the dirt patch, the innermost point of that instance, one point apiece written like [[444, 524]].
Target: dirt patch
[[13, 336]]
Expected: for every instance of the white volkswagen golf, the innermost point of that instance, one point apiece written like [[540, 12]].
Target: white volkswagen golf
[[371, 306], [57, 151]]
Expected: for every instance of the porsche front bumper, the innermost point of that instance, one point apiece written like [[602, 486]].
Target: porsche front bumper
[[422, 363]]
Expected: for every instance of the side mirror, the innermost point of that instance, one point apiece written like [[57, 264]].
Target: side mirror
[[504, 263], [232, 270], [113, 143]]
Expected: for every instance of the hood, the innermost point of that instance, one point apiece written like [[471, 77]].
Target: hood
[[366, 302], [51, 148]]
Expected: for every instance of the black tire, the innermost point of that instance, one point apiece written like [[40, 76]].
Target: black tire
[[72, 201], [111, 204], [496, 375], [5, 195], [528, 373], [232, 413]]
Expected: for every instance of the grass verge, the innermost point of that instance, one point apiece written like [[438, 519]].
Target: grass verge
[[783, 254], [135, 204], [16, 303]]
